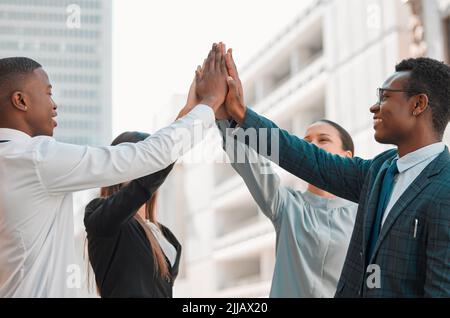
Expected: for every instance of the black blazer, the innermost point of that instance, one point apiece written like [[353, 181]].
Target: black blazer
[[119, 251]]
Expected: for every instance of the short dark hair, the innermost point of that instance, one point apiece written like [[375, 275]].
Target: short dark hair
[[11, 67], [347, 141], [432, 78], [130, 136]]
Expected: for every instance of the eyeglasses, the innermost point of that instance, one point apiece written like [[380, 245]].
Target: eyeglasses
[[380, 92]]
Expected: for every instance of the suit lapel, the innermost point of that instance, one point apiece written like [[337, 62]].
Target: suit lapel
[[411, 193], [173, 240]]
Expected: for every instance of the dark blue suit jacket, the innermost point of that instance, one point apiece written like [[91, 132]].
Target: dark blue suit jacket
[[410, 265]]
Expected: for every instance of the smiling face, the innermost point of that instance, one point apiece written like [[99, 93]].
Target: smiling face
[[393, 119], [41, 109], [327, 138]]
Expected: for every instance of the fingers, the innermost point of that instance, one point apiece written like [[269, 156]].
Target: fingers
[[223, 48], [232, 86], [211, 80], [204, 63], [192, 95], [232, 70], [198, 75], [223, 66], [210, 60], [218, 56], [231, 66], [215, 58], [199, 71], [194, 79], [232, 97], [235, 89]]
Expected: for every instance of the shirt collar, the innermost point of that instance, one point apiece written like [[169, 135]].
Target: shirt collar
[[420, 155], [325, 203], [13, 134]]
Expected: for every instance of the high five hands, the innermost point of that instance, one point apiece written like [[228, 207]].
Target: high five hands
[[217, 85]]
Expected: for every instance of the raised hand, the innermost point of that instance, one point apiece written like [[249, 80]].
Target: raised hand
[[192, 99], [211, 81], [222, 113], [234, 102]]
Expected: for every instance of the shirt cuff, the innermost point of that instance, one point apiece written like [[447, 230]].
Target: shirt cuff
[[252, 120], [205, 114], [226, 124]]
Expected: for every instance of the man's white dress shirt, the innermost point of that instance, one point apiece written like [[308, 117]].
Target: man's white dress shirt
[[410, 167], [37, 178]]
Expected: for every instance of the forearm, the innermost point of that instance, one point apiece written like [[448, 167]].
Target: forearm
[[342, 176], [67, 168], [105, 216], [152, 182], [257, 173]]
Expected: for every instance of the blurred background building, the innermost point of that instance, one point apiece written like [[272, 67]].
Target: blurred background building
[[327, 63], [72, 40]]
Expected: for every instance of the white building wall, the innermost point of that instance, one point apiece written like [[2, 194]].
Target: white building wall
[[364, 41]]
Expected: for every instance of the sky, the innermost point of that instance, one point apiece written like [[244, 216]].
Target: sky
[[158, 44]]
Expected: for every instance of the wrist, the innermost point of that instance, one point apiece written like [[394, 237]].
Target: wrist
[[211, 102], [238, 113], [183, 112]]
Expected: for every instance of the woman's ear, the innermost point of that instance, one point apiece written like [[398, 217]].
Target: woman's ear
[[345, 154]]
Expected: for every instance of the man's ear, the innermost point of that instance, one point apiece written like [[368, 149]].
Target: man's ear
[[19, 101], [421, 103]]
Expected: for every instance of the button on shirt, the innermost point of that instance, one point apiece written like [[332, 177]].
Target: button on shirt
[[38, 176], [410, 166]]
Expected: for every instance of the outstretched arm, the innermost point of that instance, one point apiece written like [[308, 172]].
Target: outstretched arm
[[64, 168], [257, 173], [341, 176], [104, 216]]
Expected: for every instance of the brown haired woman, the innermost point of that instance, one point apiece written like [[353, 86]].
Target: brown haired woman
[[132, 255]]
